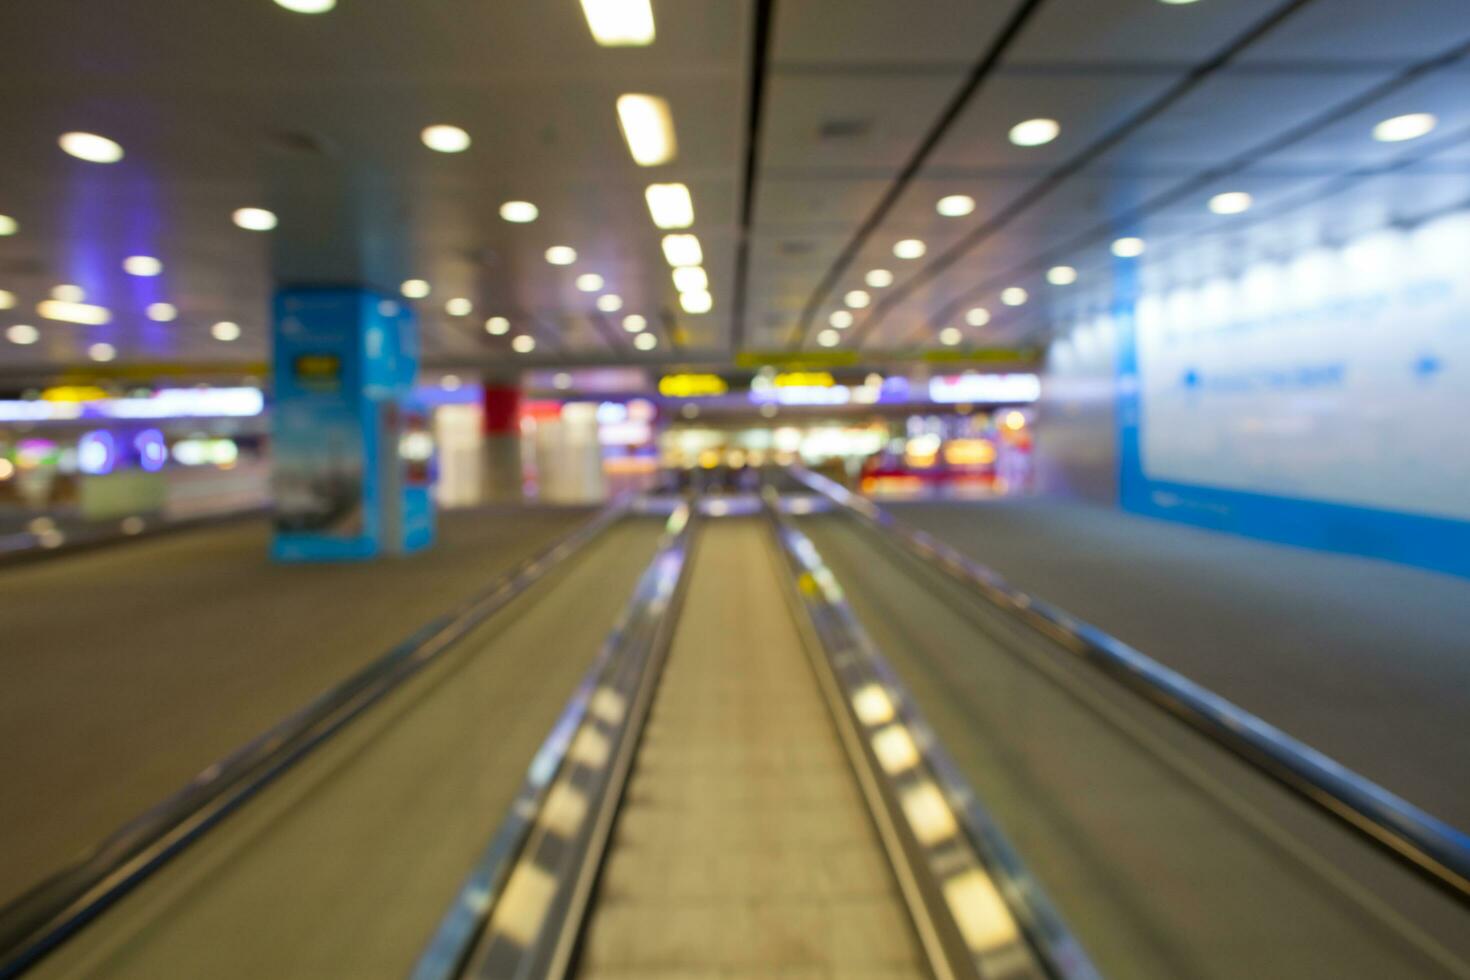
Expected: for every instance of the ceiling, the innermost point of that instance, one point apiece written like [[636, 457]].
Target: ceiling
[[813, 135]]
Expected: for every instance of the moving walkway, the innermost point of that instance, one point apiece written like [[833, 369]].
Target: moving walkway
[[799, 741]]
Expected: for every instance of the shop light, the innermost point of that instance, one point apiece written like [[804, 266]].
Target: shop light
[[254, 219], [1128, 248], [697, 301], [7, 299], [445, 139], [1408, 127], [670, 205], [955, 205], [909, 248], [645, 341], [619, 23], [857, 299], [841, 319], [8, 226], [1035, 132], [414, 288], [91, 147], [22, 333], [950, 336], [68, 293], [142, 265], [519, 212], [225, 331], [102, 352], [523, 344], [878, 278], [648, 128], [690, 278], [683, 250], [497, 326], [1061, 275], [978, 317], [589, 282], [952, 389], [1230, 202], [1013, 296], [829, 338], [634, 323], [561, 255], [307, 6], [68, 312]]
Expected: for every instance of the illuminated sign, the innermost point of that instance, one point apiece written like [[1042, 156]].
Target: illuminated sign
[[166, 403], [804, 379], [692, 385], [984, 388]]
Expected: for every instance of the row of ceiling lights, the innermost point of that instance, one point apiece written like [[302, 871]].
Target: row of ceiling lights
[[1038, 132]]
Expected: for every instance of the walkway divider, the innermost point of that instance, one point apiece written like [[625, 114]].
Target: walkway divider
[[979, 910], [39, 920], [519, 912], [1435, 850]]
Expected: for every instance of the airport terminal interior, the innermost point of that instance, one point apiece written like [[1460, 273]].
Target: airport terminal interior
[[652, 489]]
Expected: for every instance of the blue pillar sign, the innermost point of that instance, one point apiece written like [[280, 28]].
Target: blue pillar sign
[[353, 454]]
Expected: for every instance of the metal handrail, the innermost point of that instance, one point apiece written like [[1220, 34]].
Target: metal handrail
[[34, 924], [1437, 851]]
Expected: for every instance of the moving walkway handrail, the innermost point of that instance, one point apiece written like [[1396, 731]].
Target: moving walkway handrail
[[1437, 851], [34, 924]]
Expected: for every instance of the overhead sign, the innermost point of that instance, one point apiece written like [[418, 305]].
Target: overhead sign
[[984, 388], [692, 385]]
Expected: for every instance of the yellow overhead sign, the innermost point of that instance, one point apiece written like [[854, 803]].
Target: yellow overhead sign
[[692, 385], [805, 379]]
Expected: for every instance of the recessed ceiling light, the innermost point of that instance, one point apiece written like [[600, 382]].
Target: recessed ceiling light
[[634, 323], [1176, 3], [589, 282], [696, 301], [307, 6], [841, 319], [22, 333], [8, 225], [857, 299], [68, 312], [978, 317], [645, 341], [610, 303], [459, 306], [619, 23], [1409, 127], [1061, 275], [878, 278], [648, 127], [7, 299], [523, 343], [829, 338], [909, 248], [414, 288], [670, 205], [225, 331], [519, 212], [561, 255], [162, 312], [446, 139], [91, 147], [1013, 296], [142, 265], [1231, 202], [1128, 248], [681, 250], [950, 336], [689, 278], [102, 352], [955, 206], [254, 219], [499, 326], [1035, 132], [67, 293]]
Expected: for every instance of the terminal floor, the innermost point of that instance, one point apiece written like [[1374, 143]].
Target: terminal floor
[[129, 669], [1365, 660]]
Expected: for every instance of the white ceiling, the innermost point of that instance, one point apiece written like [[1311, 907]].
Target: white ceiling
[[223, 105]]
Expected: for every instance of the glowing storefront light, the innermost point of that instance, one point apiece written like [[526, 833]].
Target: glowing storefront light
[[166, 403], [954, 389]]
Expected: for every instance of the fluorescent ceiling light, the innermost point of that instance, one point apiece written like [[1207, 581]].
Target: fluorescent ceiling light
[[91, 147], [682, 250], [561, 255], [909, 248], [459, 306], [142, 265], [950, 336], [1035, 132], [67, 293], [1128, 248], [690, 278], [22, 333], [829, 338], [8, 225], [69, 312], [162, 312], [1013, 296], [523, 343], [696, 301], [634, 323], [498, 326], [519, 212], [102, 352], [879, 278], [610, 303], [307, 6], [648, 126], [1061, 275], [1400, 128], [589, 282], [857, 299], [414, 288], [254, 219], [670, 205], [619, 23], [645, 341], [978, 317], [446, 139], [841, 319], [955, 205], [1231, 202], [225, 331]]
